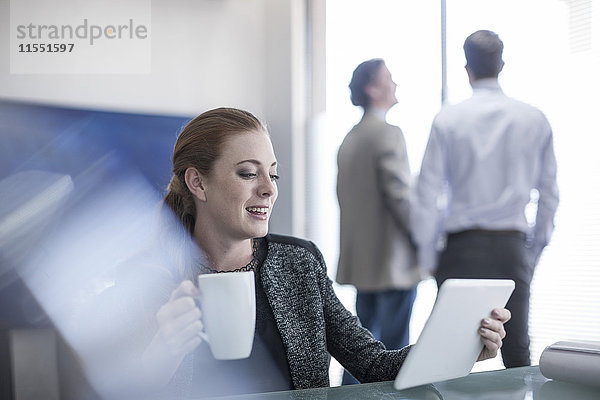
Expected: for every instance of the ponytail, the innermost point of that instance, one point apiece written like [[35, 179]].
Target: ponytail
[[180, 201]]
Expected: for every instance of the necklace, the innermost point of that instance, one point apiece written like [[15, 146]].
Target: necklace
[[251, 266]]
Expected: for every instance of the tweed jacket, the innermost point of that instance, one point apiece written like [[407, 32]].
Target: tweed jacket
[[373, 190], [312, 322]]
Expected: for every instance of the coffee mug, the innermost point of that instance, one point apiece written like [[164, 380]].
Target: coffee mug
[[228, 305]]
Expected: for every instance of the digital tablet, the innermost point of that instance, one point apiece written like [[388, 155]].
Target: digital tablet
[[449, 344]]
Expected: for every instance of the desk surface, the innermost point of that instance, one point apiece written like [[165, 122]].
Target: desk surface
[[510, 384]]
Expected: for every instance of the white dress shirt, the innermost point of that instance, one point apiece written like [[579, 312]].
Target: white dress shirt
[[483, 158]]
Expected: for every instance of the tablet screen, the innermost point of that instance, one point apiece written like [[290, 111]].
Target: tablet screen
[[449, 344]]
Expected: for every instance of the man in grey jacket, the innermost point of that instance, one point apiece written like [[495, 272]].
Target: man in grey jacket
[[377, 255]]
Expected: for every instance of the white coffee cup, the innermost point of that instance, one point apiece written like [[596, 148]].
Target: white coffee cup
[[228, 305]]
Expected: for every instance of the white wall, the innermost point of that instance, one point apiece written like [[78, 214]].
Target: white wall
[[204, 54]]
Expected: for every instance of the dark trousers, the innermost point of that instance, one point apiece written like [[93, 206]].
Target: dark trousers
[[495, 255], [387, 315]]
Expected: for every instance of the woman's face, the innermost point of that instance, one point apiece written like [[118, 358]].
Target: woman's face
[[241, 189]]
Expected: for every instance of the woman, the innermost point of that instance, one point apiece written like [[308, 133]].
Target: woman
[[223, 190]]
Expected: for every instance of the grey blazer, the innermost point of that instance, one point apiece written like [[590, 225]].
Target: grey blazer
[[373, 189], [312, 322]]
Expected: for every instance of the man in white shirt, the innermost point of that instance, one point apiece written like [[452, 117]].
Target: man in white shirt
[[485, 160]]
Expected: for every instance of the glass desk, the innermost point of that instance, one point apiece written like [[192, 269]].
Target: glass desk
[[526, 383]]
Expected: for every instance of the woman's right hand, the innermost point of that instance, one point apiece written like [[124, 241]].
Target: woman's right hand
[[179, 330], [179, 324]]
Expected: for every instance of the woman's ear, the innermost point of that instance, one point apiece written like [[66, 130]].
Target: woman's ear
[[193, 180]]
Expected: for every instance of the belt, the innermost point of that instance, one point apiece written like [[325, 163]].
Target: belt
[[488, 232]]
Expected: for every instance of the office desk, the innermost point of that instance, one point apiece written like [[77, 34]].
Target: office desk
[[526, 383]]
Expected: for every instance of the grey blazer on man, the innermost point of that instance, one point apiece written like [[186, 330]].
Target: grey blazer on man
[[373, 189]]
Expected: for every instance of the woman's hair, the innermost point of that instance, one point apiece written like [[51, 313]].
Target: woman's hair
[[361, 77], [198, 146]]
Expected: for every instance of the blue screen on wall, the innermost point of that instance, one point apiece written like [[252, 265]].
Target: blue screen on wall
[[69, 140]]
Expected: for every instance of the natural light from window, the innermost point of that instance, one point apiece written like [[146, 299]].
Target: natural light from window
[[552, 56]]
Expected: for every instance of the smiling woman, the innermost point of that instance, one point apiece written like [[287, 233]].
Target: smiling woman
[[223, 190], [235, 199], [224, 175]]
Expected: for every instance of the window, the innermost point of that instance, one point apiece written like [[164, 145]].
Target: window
[[552, 56]]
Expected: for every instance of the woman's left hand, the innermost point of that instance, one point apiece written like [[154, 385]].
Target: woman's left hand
[[492, 332]]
